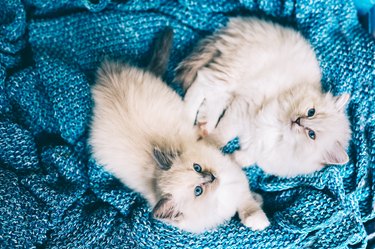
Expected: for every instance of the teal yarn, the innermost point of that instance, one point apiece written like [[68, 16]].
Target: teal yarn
[[54, 195]]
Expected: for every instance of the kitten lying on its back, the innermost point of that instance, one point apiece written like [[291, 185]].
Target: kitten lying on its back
[[267, 78], [140, 134]]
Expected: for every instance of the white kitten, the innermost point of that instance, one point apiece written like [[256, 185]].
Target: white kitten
[[267, 78], [140, 134]]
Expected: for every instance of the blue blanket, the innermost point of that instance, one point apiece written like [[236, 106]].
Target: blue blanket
[[53, 194]]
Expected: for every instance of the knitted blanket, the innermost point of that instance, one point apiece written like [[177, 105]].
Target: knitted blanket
[[54, 195]]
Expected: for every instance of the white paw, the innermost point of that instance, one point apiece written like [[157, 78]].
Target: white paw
[[205, 126], [202, 129], [257, 221], [193, 99], [243, 158]]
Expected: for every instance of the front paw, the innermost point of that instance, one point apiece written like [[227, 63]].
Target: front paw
[[257, 221], [243, 158], [203, 123], [202, 129]]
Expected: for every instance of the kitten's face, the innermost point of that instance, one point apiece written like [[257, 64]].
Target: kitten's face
[[309, 130], [202, 189], [191, 181]]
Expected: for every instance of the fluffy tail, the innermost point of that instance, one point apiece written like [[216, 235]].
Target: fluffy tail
[[161, 51], [203, 54]]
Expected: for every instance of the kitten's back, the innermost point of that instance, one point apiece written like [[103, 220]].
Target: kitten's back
[[252, 48], [138, 99], [135, 111]]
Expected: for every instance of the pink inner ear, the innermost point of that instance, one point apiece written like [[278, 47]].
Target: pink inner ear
[[337, 155], [166, 209], [342, 101]]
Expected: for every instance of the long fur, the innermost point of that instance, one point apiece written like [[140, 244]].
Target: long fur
[[265, 76], [140, 133]]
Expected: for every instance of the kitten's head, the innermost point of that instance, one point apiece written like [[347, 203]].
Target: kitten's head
[[309, 130], [199, 188]]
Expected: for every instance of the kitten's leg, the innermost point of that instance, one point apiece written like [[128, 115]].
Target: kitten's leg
[[201, 119], [205, 107], [246, 155], [252, 215], [216, 94], [193, 99], [229, 126], [206, 100], [210, 113]]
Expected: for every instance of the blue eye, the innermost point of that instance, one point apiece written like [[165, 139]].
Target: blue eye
[[312, 134], [198, 190], [310, 112], [197, 167]]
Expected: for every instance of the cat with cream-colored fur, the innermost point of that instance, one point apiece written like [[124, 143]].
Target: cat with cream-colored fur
[[261, 81], [140, 133]]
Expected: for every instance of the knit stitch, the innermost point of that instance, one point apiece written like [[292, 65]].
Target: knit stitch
[[54, 195]]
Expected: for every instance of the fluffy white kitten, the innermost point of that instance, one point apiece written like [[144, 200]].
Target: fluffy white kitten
[[140, 134], [268, 79]]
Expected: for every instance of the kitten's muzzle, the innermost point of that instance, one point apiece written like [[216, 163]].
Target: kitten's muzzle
[[208, 177], [298, 121]]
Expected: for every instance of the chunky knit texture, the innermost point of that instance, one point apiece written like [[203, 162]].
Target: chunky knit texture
[[53, 194]]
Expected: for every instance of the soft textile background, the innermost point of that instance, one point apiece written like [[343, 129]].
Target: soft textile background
[[52, 194]]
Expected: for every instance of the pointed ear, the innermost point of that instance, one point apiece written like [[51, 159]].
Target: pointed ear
[[166, 209], [337, 155], [341, 101], [164, 158]]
